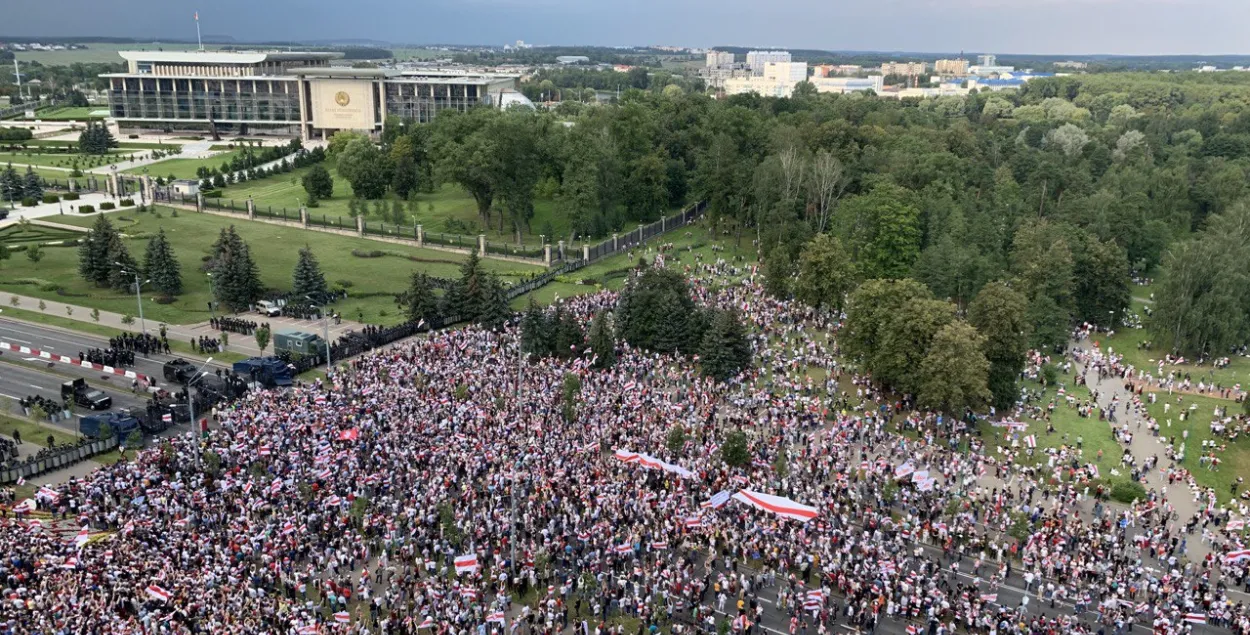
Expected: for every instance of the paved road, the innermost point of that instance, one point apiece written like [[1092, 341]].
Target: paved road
[[18, 380]]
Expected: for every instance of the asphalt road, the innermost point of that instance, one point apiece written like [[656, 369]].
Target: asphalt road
[[21, 380]]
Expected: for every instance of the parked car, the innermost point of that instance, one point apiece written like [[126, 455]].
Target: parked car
[[85, 396], [269, 309]]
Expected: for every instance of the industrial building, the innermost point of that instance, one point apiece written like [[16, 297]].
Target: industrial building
[[286, 93]]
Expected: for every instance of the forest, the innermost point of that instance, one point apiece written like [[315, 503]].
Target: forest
[[1063, 192]]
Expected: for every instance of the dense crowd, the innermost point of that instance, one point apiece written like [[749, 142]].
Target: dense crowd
[[234, 325], [437, 487], [108, 357]]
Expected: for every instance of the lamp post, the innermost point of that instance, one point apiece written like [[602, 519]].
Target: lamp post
[[117, 184], [195, 378], [211, 308], [325, 317], [143, 187], [138, 294]]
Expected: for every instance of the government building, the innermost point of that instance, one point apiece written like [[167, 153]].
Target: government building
[[287, 93]]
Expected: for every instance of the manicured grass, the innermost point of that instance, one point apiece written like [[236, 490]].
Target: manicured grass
[[96, 52], [275, 249], [31, 432], [25, 234], [183, 168], [1129, 343], [548, 293], [449, 210], [58, 159], [71, 113]]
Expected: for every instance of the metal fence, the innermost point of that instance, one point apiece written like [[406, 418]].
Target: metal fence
[[56, 459]]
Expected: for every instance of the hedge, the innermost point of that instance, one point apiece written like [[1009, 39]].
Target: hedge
[[128, 202], [30, 201], [107, 205], [86, 209], [69, 196], [51, 198]]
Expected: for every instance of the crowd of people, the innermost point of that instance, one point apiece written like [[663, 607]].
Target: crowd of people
[[437, 487], [141, 343], [108, 357]]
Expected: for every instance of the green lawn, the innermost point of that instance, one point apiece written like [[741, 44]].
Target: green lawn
[[448, 211], [1199, 412], [96, 52], [372, 280], [60, 159], [31, 432], [72, 113], [25, 234], [184, 168]]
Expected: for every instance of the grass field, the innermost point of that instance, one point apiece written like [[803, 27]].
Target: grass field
[[432, 211], [420, 54], [373, 281], [184, 168], [25, 234], [1199, 412], [95, 52], [83, 113], [59, 159], [122, 146]]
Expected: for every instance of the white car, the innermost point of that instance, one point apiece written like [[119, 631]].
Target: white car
[[268, 308]]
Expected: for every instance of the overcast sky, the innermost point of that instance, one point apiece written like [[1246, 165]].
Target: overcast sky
[[1136, 27]]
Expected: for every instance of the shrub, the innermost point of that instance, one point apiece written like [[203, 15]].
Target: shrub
[[51, 198], [127, 202], [212, 194], [70, 196], [86, 209], [1128, 491], [133, 136], [373, 253], [107, 205], [29, 201], [346, 284]]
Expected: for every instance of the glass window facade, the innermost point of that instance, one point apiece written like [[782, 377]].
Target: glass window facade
[[257, 101]]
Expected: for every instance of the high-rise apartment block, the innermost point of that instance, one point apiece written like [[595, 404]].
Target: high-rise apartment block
[[951, 68], [758, 60], [719, 59], [903, 68]]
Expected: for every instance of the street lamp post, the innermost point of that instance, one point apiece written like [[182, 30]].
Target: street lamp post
[[191, 400], [142, 187], [138, 294], [211, 308], [325, 317]]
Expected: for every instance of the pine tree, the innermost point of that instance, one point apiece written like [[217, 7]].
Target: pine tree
[[122, 266], [420, 302], [536, 335], [602, 341], [466, 297], [93, 253], [726, 350], [10, 184], [494, 307], [570, 340], [236, 280], [33, 187], [307, 279], [161, 265]]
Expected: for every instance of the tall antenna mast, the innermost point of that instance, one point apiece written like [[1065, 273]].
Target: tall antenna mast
[[197, 31]]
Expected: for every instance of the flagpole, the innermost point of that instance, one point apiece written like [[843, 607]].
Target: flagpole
[[198, 41]]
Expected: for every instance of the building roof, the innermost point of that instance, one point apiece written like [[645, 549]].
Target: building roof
[[340, 71], [226, 57]]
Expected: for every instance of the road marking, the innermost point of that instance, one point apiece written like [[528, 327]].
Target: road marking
[[35, 387]]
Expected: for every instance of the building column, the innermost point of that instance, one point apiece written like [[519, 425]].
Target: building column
[[585, 251], [112, 184], [303, 216], [360, 225], [561, 250], [547, 255], [149, 192], [199, 201], [615, 242], [420, 236], [251, 209], [481, 245]]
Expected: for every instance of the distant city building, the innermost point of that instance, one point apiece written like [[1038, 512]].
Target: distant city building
[[903, 68], [786, 71], [1080, 66], [719, 59], [573, 59], [757, 60], [987, 59], [843, 85], [991, 71], [830, 70], [293, 93], [951, 68]]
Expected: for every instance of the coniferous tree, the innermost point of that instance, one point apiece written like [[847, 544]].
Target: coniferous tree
[[318, 183], [308, 280], [467, 296], [10, 184], [602, 341], [93, 253], [122, 265], [536, 335], [236, 280], [33, 187], [726, 350], [419, 300], [494, 311], [570, 340], [161, 265]]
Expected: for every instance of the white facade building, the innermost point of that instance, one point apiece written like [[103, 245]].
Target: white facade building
[[757, 60]]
